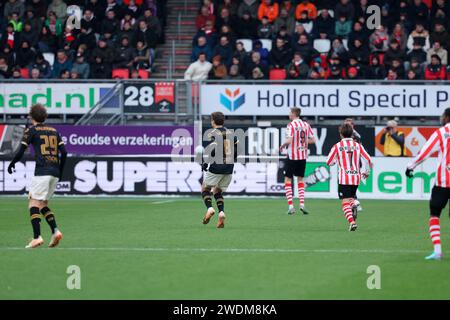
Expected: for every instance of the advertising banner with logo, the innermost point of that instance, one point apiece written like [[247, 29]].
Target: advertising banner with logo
[[145, 176], [325, 100], [128, 140], [415, 138], [266, 141], [146, 97], [111, 140], [59, 98]]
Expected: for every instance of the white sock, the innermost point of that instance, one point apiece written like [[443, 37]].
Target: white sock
[[438, 249]]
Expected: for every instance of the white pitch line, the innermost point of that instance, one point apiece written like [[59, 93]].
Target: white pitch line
[[163, 202], [233, 250]]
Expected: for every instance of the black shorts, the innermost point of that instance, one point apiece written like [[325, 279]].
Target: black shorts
[[294, 168], [347, 191], [439, 199]]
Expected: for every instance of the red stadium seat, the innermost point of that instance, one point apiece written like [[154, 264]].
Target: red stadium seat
[[277, 74], [120, 74], [144, 74], [25, 73]]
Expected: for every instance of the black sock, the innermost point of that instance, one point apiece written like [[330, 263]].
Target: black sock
[[35, 221], [219, 201], [48, 215], [207, 199]]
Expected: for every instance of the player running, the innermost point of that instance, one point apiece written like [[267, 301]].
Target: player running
[[222, 152], [440, 195], [349, 155], [357, 138], [47, 144], [298, 136]]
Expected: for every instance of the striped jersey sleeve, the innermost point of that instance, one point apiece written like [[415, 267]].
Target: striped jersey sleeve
[[439, 140]]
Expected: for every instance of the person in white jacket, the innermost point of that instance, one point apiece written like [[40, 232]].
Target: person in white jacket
[[199, 69]]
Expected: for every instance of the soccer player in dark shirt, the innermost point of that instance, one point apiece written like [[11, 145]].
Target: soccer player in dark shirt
[[219, 166], [50, 156]]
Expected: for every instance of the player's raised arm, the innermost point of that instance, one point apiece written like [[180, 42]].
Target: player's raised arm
[[23, 147], [426, 151], [332, 157]]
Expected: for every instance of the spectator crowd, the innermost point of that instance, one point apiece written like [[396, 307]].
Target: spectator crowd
[[321, 39], [79, 39]]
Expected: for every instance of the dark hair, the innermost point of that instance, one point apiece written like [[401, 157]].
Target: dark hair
[[296, 111], [218, 118], [436, 57], [348, 120], [38, 113], [447, 113], [346, 130]]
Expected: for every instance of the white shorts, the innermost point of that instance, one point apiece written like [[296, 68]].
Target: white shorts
[[221, 181], [42, 187]]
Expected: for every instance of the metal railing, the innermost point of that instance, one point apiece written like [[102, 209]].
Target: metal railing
[[109, 118]]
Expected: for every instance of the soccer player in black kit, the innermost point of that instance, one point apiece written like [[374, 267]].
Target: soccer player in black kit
[[50, 156], [221, 155]]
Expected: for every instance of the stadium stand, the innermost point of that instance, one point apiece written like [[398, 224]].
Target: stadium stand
[[325, 29], [331, 30], [92, 43]]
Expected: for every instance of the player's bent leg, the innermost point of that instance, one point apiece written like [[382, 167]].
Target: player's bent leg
[[358, 205], [50, 218], [206, 195], [354, 206], [438, 201], [221, 206], [348, 213], [435, 227], [289, 194], [301, 194], [35, 217]]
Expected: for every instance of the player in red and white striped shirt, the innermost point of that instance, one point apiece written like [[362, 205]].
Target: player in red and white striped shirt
[[298, 136], [356, 137], [349, 155], [440, 196]]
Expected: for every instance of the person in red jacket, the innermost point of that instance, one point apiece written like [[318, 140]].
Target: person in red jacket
[[269, 9], [435, 70], [204, 16]]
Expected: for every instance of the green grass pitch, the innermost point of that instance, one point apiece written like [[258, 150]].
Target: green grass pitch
[[149, 248]]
